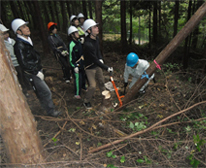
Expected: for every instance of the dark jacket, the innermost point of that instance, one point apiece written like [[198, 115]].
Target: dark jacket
[[56, 43], [76, 54], [28, 58], [92, 54]]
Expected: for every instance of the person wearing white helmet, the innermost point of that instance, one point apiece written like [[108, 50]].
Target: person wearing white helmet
[[9, 43], [59, 49], [81, 19], [137, 68], [93, 61], [75, 22], [76, 60], [30, 61]]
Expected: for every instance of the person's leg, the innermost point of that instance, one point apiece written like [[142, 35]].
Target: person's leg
[[76, 83], [92, 84], [100, 79], [65, 66], [43, 93]]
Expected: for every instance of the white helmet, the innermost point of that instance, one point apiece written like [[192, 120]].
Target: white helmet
[[72, 17], [3, 28], [16, 23], [89, 23], [72, 29], [80, 15]]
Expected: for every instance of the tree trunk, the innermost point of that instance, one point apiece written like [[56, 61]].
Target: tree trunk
[[164, 54], [56, 4], [47, 18], [14, 9], [130, 17], [42, 30], [68, 11], [154, 21], [64, 16], [98, 11], [84, 8], [123, 25], [186, 47], [150, 38], [18, 126], [19, 3], [90, 9], [176, 17], [32, 11]]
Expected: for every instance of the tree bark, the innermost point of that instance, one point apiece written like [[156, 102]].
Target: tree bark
[[164, 54], [90, 9], [98, 11], [18, 126], [176, 17], [154, 22], [41, 27], [64, 16], [130, 23], [84, 8], [123, 25]]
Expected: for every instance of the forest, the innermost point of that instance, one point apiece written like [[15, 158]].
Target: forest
[[164, 127]]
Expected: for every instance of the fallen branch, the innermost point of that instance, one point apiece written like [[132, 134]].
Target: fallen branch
[[143, 131]]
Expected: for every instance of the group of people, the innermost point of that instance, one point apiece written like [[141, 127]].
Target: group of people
[[81, 60]]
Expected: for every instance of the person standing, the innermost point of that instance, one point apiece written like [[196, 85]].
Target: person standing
[[59, 49], [9, 43], [137, 68], [75, 22], [30, 61], [76, 60], [93, 61]]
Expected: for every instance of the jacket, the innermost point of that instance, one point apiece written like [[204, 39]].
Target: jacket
[[10, 46], [28, 58], [92, 54], [76, 58], [56, 43], [136, 72]]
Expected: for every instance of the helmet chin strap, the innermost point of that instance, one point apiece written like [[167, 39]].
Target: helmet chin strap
[[23, 34], [92, 33], [74, 37]]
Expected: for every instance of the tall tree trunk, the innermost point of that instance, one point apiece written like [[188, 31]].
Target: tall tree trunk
[[150, 34], [28, 13], [32, 11], [186, 55], [123, 25], [56, 4], [14, 10], [90, 9], [47, 18], [130, 18], [176, 17], [154, 21], [68, 10], [98, 12], [159, 16], [42, 30], [21, 10], [139, 31], [166, 52], [64, 16], [84, 8], [18, 126]]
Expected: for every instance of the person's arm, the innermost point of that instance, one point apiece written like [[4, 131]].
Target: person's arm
[[72, 54], [91, 51], [53, 45], [28, 66], [126, 74]]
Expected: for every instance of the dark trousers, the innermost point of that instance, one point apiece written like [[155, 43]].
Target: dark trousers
[[65, 66], [79, 81], [43, 92], [22, 79]]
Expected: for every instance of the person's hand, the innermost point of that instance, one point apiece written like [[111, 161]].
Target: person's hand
[[40, 75], [110, 69], [64, 53], [81, 40], [76, 70], [125, 84], [101, 60]]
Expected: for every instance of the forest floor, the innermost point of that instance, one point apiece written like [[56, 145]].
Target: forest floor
[[175, 142]]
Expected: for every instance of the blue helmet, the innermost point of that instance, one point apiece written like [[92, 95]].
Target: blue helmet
[[132, 59]]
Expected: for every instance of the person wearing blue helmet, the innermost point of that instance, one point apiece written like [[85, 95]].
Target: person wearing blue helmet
[[135, 67]]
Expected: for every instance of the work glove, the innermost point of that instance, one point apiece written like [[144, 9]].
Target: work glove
[[40, 75], [76, 70], [64, 53], [81, 40], [125, 84], [110, 69], [101, 60]]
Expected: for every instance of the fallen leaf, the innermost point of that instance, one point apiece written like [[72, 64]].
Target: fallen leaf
[[77, 143]]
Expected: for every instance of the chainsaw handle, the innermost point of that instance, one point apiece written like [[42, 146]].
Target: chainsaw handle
[[110, 73]]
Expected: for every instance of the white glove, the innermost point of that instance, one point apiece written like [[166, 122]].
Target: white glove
[[101, 61], [40, 75], [81, 40], [110, 69], [64, 53], [76, 70]]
